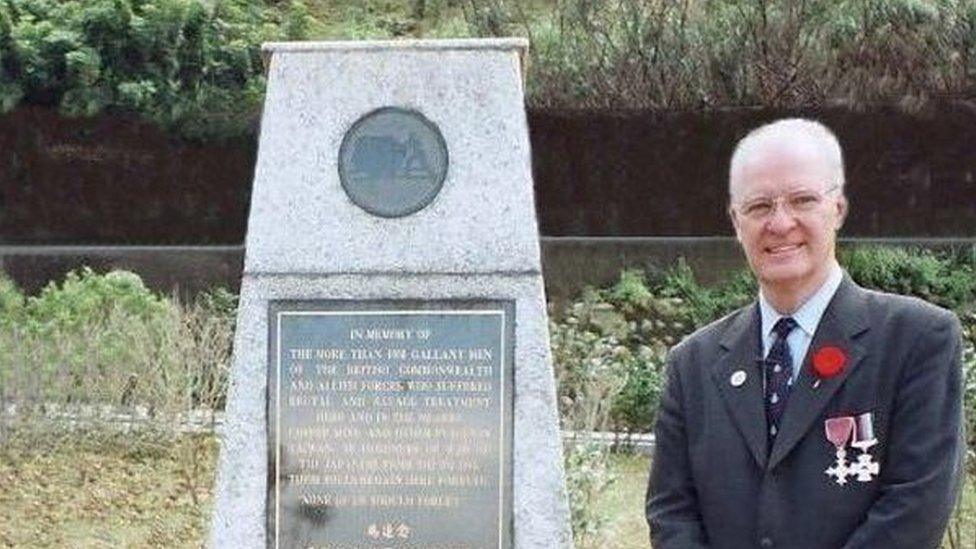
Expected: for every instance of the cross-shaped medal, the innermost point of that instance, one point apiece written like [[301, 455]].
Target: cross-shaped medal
[[839, 470], [839, 431]]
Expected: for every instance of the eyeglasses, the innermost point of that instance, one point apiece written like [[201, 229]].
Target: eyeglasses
[[799, 202]]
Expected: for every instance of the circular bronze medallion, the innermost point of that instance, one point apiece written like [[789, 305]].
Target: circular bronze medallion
[[392, 162]]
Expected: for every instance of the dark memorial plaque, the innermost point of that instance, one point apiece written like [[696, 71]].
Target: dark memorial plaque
[[392, 162], [390, 424]]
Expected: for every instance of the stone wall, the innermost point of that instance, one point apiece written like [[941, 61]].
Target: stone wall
[[665, 174], [119, 180]]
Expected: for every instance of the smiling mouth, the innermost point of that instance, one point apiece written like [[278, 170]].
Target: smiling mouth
[[783, 249]]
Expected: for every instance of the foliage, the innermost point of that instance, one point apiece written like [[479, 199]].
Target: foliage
[[220, 303], [623, 332], [106, 340], [592, 369], [609, 348], [703, 54], [946, 278], [96, 340], [190, 65], [11, 302], [941, 279], [86, 298], [588, 478], [702, 304], [195, 65]]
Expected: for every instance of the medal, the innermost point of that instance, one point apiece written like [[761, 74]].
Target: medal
[[839, 431], [860, 432], [865, 467]]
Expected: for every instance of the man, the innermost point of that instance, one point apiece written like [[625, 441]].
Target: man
[[824, 415]]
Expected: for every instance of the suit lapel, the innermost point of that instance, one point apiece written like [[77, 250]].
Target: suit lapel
[[744, 402], [842, 322]]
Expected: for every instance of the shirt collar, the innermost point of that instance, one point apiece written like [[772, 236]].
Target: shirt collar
[[808, 315]]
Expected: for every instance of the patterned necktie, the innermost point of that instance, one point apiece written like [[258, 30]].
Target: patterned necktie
[[779, 370]]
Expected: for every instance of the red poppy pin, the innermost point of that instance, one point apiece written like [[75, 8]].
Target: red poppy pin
[[829, 361]]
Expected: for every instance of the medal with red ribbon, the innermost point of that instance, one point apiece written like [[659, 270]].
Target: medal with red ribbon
[[839, 431]]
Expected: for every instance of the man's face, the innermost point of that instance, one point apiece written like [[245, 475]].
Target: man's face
[[790, 247]]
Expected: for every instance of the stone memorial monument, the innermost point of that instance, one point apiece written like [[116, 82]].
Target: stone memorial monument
[[391, 383]]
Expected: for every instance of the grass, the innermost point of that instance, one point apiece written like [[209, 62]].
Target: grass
[[105, 490], [169, 362], [623, 505], [102, 490]]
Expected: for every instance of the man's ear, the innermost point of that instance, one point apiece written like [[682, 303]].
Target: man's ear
[[842, 208], [735, 223]]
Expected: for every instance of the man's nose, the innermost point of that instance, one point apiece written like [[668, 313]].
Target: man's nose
[[781, 219]]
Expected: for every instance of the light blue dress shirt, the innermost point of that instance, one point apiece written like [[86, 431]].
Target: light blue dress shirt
[[807, 317]]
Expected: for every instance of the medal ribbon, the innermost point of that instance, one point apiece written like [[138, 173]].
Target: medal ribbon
[[839, 430]]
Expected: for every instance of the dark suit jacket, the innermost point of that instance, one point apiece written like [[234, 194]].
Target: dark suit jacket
[[714, 483]]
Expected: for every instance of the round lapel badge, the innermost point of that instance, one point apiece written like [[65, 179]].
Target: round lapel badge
[[738, 378]]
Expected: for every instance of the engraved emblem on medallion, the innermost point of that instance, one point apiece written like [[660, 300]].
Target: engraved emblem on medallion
[[392, 162]]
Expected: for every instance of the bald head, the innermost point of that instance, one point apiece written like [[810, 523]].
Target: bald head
[[785, 139]]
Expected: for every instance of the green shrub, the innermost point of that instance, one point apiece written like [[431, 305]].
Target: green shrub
[[591, 370], [195, 65], [190, 65], [607, 366], [588, 475], [623, 332], [86, 298], [11, 302], [218, 302], [969, 386], [635, 407], [106, 339], [701, 304], [939, 278]]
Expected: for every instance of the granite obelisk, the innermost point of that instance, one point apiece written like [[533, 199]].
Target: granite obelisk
[[392, 382]]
